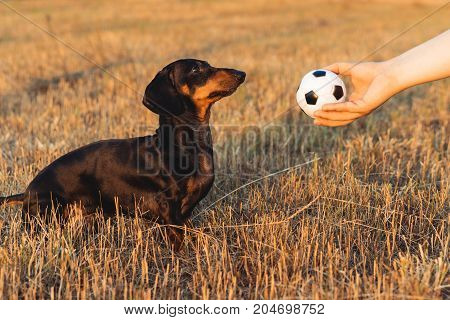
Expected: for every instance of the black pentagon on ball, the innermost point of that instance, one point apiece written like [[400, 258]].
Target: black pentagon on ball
[[311, 97], [319, 73], [338, 92]]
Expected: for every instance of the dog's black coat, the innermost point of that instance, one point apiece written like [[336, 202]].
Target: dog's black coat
[[160, 177]]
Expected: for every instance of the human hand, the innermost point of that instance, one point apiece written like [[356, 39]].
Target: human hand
[[372, 86], [375, 82]]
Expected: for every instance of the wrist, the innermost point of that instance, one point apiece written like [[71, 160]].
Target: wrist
[[390, 76]]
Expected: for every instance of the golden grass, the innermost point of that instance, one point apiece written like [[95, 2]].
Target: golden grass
[[369, 220]]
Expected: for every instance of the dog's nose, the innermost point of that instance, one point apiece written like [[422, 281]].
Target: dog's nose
[[239, 74]]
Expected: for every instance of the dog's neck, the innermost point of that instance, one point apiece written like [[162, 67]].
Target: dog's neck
[[186, 130]]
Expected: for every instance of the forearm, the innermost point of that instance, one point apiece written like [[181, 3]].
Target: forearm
[[426, 62]]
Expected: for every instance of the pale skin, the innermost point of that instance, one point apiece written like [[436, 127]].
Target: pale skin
[[375, 82]]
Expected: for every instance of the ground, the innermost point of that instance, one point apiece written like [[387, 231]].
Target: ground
[[367, 218]]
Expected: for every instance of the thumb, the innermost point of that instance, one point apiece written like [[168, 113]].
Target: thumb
[[342, 68]]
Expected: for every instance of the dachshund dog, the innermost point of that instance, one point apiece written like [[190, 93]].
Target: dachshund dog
[[163, 176]]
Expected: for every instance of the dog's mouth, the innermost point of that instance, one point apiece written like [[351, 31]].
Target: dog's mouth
[[221, 93], [235, 80]]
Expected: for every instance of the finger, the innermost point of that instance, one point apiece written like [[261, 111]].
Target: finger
[[348, 106], [331, 123], [342, 68], [336, 115], [355, 96]]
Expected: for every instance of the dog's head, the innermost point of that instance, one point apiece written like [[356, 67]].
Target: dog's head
[[190, 87]]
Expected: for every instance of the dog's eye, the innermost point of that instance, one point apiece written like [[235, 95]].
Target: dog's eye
[[195, 69]]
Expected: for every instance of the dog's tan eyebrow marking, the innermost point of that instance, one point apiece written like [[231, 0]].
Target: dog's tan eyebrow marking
[[185, 90]]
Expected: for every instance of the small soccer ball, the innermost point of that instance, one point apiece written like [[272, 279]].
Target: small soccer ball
[[320, 87]]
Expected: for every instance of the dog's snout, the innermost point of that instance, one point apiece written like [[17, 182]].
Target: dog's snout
[[237, 74], [240, 75]]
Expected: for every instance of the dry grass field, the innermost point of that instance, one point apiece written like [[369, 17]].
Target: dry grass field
[[367, 219]]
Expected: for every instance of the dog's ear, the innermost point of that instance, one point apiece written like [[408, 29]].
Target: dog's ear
[[161, 96]]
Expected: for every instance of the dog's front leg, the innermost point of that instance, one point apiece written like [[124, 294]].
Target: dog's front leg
[[171, 216]]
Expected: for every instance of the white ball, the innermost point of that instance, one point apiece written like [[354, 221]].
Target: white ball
[[320, 87]]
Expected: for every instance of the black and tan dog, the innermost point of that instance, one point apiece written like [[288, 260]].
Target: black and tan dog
[[163, 176]]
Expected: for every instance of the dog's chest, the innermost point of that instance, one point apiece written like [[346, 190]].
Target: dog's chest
[[197, 187], [203, 176], [198, 184]]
